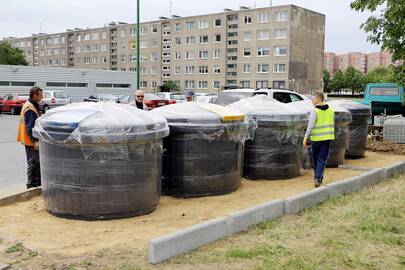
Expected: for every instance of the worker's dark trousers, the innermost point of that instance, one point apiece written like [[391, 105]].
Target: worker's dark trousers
[[33, 170], [320, 156]]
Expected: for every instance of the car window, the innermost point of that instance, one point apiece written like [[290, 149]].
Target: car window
[[177, 97], [282, 97], [60, 95], [261, 93], [295, 97], [161, 95], [226, 98]]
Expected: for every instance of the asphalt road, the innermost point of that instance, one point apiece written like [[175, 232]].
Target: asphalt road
[[13, 164]]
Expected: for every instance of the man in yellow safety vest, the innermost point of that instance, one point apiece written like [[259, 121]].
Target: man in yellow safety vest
[[320, 131], [30, 113]]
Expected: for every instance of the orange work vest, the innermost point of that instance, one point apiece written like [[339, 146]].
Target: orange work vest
[[22, 135]]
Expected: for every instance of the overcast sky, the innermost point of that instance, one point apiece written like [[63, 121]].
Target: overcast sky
[[21, 18]]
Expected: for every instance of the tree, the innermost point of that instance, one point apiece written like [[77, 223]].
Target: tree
[[326, 81], [388, 28], [11, 56], [353, 80], [168, 87], [338, 81]]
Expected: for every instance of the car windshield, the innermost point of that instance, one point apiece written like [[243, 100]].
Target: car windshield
[[61, 95], [177, 97], [108, 97], [151, 97], [226, 98]]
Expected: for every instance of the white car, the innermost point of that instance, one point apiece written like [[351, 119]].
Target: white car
[[207, 98], [52, 99], [282, 95], [178, 97], [234, 95]]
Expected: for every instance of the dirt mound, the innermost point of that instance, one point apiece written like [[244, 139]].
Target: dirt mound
[[386, 147]]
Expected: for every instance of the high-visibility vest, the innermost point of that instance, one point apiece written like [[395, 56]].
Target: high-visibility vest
[[22, 135], [325, 125]]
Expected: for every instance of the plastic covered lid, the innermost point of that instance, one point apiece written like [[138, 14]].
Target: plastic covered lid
[[99, 122], [264, 108], [341, 114], [354, 107]]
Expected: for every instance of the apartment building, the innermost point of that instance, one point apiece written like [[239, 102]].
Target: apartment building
[[279, 47]]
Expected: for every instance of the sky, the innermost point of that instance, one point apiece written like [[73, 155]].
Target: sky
[[20, 18]]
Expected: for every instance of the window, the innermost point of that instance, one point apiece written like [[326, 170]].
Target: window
[[55, 51], [247, 68], [282, 97], [143, 71], [216, 54], [384, 91], [217, 22], [132, 58], [166, 25], [94, 36], [232, 42], [143, 30], [217, 38], [190, 40], [280, 51], [216, 84], [262, 84], [189, 55], [87, 37], [217, 69], [154, 29], [262, 68], [247, 36], [248, 20], [189, 84], [104, 35], [246, 52], [263, 34], [232, 50], [154, 43], [189, 70], [122, 32], [203, 24], [203, 69], [263, 18], [177, 56], [95, 48], [143, 84], [178, 40], [132, 31], [79, 37], [153, 71], [263, 52], [281, 16], [177, 70], [245, 84], [190, 25], [232, 18], [153, 56], [203, 84], [178, 26], [95, 60], [203, 39], [279, 68], [203, 55], [232, 34], [280, 33], [143, 44]]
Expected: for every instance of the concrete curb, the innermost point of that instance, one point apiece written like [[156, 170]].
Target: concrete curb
[[21, 197], [373, 177], [242, 220], [345, 186], [299, 202], [4, 266], [396, 168]]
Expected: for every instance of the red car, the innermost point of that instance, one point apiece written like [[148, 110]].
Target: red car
[[13, 102], [153, 101]]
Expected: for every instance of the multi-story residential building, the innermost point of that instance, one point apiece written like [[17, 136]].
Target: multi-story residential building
[[279, 47]]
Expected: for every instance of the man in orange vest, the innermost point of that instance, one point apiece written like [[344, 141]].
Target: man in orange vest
[[30, 113]]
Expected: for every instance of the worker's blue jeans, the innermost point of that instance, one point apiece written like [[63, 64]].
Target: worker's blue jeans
[[320, 156]]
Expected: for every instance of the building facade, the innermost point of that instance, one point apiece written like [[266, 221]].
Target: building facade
[[278, 47]]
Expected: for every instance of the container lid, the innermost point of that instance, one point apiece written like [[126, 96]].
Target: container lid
[[341, 114], [99, 122], [264, 108], [355, 108]]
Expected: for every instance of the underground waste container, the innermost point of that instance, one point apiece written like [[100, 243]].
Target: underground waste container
[[343, 118], [274, 149], [358, 128], [203, 153], [100, 160]]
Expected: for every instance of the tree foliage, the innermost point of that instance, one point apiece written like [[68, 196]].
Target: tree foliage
[[11, 56], [326, 81], [353, 80], [168, 87], [338, 81]]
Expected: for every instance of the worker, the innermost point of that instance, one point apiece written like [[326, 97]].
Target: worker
[[319, 134], [30, 113], [139, 100]]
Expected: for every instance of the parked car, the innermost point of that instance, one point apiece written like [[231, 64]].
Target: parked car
[[282, 95], [173, 97], [232, 96], [153, 101], [1, 102], [103, 98], [207, 98], [52, 99], [13, 102]]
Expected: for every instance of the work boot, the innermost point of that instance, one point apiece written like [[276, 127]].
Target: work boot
[[317, 183]]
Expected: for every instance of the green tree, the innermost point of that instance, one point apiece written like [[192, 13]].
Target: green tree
[[168, 87], [386, 29], [338, 81], [326, 81], [354, 80], [11, 56], [376, 75]]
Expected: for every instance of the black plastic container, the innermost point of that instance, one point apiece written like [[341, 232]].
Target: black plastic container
[[358, 128], [203, 154], [100, 160], [275, 149]]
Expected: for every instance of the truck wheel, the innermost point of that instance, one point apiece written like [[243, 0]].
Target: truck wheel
[[13, 111]]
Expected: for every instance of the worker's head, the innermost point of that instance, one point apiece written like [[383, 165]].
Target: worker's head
[[36, 94], [139, 95], [318, 98]]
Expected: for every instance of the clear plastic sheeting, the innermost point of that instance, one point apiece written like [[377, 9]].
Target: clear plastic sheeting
[[358, 127], [394, 130], [338, 148], [203, 154], [277, 131], [100, 160]]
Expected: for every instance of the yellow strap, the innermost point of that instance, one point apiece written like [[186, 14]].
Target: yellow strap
[[226, 113]]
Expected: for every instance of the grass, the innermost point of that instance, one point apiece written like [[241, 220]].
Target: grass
[[365, 230], [17, 247]]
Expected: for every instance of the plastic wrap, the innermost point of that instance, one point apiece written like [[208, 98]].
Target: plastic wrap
[[203, 154], [338, 147], [100, 160], [277, 132], [394, 130], [358, 128]]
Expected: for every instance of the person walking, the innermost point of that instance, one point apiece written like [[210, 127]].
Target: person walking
[[138, 100], [30, 113], [319, 134]]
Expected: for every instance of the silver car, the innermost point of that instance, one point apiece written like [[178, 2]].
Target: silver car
[[52, 99]]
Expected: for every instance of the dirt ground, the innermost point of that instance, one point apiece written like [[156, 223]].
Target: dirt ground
[[30, 223], [386, 147]]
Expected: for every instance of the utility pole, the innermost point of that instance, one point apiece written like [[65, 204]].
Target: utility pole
[[138, 77]]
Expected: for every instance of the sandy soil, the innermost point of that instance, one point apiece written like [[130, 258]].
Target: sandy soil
[[375, 160], [30, 223], [386, 147]]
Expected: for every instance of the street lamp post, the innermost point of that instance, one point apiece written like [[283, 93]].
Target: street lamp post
[[137, 45]]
